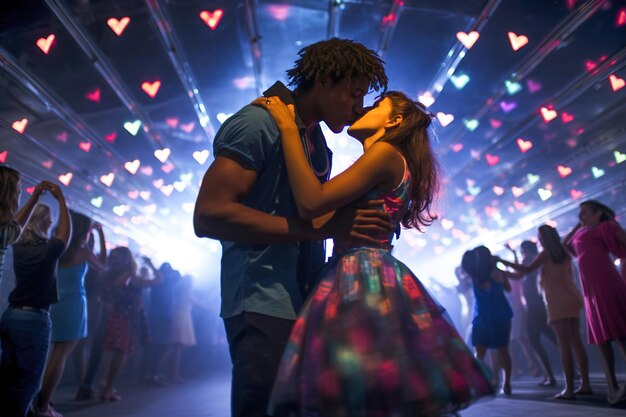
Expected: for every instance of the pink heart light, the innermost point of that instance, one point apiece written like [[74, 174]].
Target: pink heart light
[[147, 171], [508, 106], [212, 19], [3, 156], [517, 41], [62, 137], [495, 123], [132, 166], [201, 156], [468, 39], [621, 17], [133, 195], [65, 179], [548, 114], [158, 183], [47, 164], [564, 171], [151, 89], [145, 195], [616, 82], [517, 191], [45, 43], [85, 146], [575, 194], [518, 205], [566, 117], [118, 26], [524, 145], [20, 125], [498, 190], [188, 127], [110, 137], [107, 179], [30, 190], [492, 159], [167, 168], [457, 147], [533, 86], [468, 198], [172, 122], [445, 119], [167, 189], [94, 95]]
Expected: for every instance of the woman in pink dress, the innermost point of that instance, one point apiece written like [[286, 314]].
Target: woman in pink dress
[[592, 241]]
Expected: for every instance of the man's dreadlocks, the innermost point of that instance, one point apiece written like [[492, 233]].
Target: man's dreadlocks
[[336, 60]]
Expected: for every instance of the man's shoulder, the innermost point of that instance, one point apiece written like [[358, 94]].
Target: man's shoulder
[[252, 116]]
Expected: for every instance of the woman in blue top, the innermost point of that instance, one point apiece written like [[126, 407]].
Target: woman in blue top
[[69, 314], [491, 327]]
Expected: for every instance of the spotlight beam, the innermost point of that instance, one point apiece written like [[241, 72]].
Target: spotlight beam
[[254, 39], [335, 8], [389, 25]]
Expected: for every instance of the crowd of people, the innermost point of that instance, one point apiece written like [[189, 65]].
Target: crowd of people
[[359, 335], [66, 296]]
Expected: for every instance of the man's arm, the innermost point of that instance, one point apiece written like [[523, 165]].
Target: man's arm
[[219, 213]]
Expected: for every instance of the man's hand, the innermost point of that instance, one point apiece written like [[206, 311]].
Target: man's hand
[[364, 221]]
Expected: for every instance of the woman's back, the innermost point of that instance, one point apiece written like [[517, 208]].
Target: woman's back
[[490, 302], [561, 294]]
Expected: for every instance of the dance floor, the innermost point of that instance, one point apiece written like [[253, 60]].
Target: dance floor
[[210, 398]]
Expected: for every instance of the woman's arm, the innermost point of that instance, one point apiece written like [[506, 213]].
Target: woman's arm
[[525, 269], [22, 215], [313, 199], [141, 282], [64, 226], [97, 262]]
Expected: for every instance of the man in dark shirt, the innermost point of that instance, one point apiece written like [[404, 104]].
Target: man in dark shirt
[[269, 255]]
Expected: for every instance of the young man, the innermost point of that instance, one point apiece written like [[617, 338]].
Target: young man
[[270, 256]]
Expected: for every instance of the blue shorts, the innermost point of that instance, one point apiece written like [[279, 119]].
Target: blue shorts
[[491, 334]]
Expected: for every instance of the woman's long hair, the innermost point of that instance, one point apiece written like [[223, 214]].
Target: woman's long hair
[[9, 193], [551, 242], [412, 140], [121, 262], [478, 263], [36, 230], [595, 206], [81, 226]]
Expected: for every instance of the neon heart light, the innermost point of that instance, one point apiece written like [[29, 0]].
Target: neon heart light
[[533, 86], [212, 19], [146, 170], [460, 81], [512, 87], [62, 137], [518, 205], [180, 186], [133, 195], [498, 190], [444, 119], [517, 191], [30, 190], [508, 106], [457, 147], [20, 125], [475, 154], [167, 168], [616, 82], [517, 41], [188, 127], [97, 201], [468, 39], [222, 117], [524, 145], [162, 154], [110, 137], [597, 172], [167, 189], [621, 17], [544, 194], [492, 159], [171, 122], [120, 210], [564, 171], [575, 194], [118, 26], [132, 166], [619, 157], [65, 179], [532, 178], [158, 183], [151, 89], [201, 156], [47, 164], [145, 195], [93, 95], [133, 127], [548, 114], [3, 156], [426, 99], [470, 124], [566, 117], [45, 43], [495, 123], [85, 146], [107, 179], [447, 224]]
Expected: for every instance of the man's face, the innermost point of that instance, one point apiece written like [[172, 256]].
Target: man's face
[[342, 103]]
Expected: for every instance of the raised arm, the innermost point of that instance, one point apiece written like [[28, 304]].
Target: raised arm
[[525, 269], [22, 215], [374, 168], [141, 282], [64, 226], [98, 262]]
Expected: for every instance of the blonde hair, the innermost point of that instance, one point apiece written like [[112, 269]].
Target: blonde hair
[[9, 193], [36, 230]]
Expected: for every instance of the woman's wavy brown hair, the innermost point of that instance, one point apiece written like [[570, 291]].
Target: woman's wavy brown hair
[[412, 140], [9, 193]]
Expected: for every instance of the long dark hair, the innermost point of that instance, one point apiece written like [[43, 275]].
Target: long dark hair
[[81, 226], [478, 263], [121, 263], [412, 140], [9, 193], [551, 242], [595, 206]]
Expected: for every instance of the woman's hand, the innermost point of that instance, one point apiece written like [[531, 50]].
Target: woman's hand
[[283, 114]]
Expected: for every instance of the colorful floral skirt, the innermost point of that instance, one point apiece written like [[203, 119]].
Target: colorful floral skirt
[[371, 341]]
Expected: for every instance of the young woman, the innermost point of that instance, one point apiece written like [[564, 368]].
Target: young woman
[[592, 241], [126, 322], [11, 220], [491, 326], [69, 314], [370, 340], [564, 303], [25, 328]]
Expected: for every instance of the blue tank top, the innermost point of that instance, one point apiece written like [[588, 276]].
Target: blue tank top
[[491, 303]]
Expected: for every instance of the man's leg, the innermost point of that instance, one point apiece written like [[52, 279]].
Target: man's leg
[[256, 344]]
